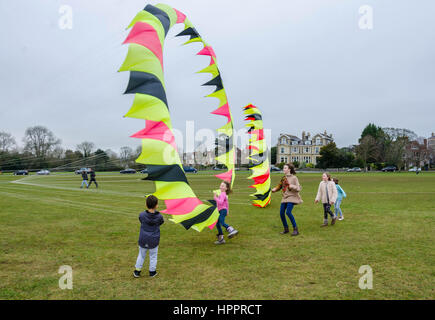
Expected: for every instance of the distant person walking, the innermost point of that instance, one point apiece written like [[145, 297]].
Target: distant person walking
[[327, 193], [85, 179], [92, 174], [340, 196], [290, 187]]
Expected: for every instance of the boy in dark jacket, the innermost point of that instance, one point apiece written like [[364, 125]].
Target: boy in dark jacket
[[149, 236]]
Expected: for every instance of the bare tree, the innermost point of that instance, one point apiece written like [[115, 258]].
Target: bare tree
[[125, 155], [86, 148], [40, 141], [6, 141], [396, 133]]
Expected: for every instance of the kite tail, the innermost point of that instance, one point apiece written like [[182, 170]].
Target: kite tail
[[225, 155], [144, 61], [259, 156]]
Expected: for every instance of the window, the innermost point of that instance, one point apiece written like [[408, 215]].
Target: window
[[308, 142], [319, 141], [283, 141], [317, 149], [307, 150], [295, 150], [282, 159], [294, 142], [282, 150]]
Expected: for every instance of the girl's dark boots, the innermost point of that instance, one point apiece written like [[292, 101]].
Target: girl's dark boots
[[295, 232], [286, 230]]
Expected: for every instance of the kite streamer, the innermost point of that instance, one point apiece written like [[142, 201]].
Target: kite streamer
[[144, 61], [259, 156]]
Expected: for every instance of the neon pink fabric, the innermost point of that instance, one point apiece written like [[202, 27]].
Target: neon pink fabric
[[261, 179], [156, 131], [212, 225], [223, 111], [259, 133], [181, 206], [226, 176], [181, 17], [145, 35], [207, 51]]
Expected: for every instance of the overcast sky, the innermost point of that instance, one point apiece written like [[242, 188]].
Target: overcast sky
[[305, 63]]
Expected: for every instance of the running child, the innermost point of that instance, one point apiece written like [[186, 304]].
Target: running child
[[222, 205], [290, 187], [149, 236], [341, 195], [327, 193]]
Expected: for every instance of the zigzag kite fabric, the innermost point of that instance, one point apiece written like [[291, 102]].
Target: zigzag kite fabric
[[259, 156], [159, 152]]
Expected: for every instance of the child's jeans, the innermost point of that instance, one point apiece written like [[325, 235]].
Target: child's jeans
[[337, 208], [221, 221], [289, 207], [142, 255], [84, 182], [326, 210]]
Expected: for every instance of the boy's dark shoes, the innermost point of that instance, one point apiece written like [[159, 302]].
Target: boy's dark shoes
[[333, 221], [153, 274], [136, 274]]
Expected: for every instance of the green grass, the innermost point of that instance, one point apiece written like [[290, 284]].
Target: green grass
[[47, 222]]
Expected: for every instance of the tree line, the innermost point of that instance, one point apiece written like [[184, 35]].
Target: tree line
[[41, 149], [377, 147]]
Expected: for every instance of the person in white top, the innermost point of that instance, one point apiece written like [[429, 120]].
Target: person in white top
[[327, 193]]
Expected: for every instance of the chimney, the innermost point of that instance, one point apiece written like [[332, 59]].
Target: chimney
[[303, 135]]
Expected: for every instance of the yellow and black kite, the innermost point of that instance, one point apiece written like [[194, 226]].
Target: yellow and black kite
[[144, 61], [259, 156]]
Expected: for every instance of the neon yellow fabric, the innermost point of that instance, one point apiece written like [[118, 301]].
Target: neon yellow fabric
[[149, 108], [211, 69], [262, 168], [200, 208], [140, 58], [158, 153], [262, 188], [227, 159], [192, 41], [221, 95], [173, 190], [226, 129]]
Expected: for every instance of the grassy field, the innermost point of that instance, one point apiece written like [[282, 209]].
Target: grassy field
[[47, 222]]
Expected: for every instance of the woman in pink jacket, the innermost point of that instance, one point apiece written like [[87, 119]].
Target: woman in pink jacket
[[327, 193], [222, 205]]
